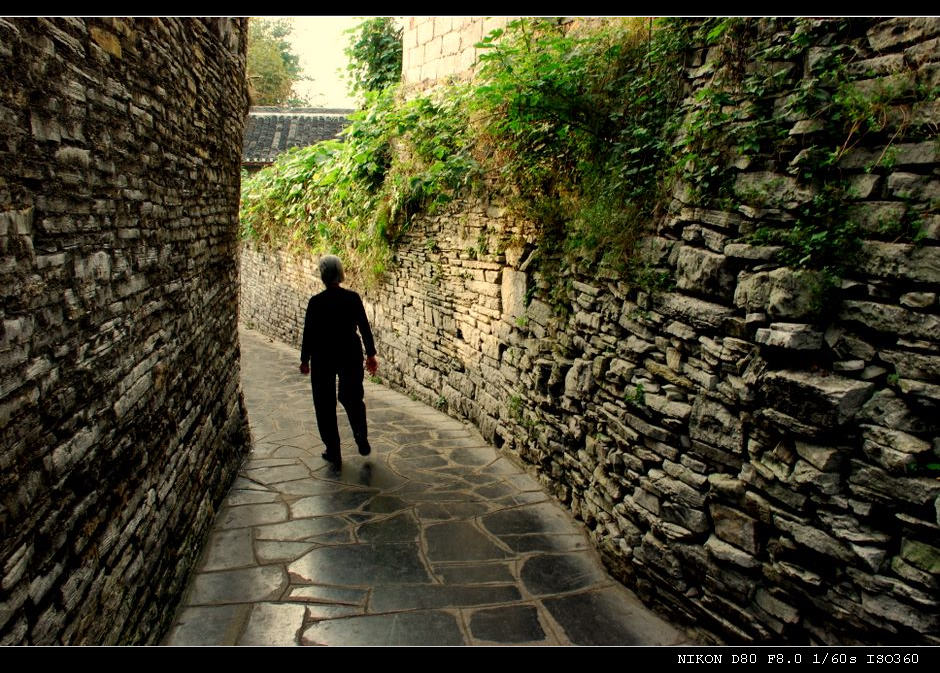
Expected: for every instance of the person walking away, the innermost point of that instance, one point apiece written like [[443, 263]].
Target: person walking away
[[331, 349]]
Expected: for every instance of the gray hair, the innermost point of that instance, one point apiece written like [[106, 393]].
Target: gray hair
[[331, 270]]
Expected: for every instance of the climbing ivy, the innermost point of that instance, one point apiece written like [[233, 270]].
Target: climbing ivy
[[375, 55], [580, 122], [589, 130], [354, 197]]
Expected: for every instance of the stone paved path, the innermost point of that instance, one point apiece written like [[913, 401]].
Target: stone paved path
[[434, 539]]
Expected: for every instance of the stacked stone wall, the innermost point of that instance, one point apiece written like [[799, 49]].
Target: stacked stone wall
[[756, 470], [121, 422]]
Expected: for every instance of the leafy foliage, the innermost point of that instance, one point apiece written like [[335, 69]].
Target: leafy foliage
[[272, 67], [736, 120], [355, 197], [375, 55], [581, 124], [589, 129]]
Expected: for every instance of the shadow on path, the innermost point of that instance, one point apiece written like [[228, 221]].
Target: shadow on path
[[434, 539]]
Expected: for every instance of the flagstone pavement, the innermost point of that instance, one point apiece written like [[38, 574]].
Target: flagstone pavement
[[434, 539]]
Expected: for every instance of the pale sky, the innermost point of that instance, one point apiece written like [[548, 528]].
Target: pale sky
[[319, 41]]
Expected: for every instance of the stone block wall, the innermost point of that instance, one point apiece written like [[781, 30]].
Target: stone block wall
[[437, 47], [756, 471], [121, 422]]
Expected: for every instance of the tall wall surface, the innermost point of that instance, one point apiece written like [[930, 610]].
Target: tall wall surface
[[753, 470], [437, 47], [121, 423]]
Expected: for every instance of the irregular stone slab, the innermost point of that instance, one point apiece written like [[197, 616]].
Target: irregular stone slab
[[608, 617], [388, 598], [460, 541], [813, 538], [481, 479], [512, 624], [252, 515], [545, 543], [372, 474], [891, 319], [900, 260], [272, 551], [432, 511], [440, 496], [215, 625], [559, 573], [318, 612], [793, 336], [417, 451], [877, 483], [273, 475], [386, 504], [300, 529], [465, 510], [408, 628], [399, 528], [330, 595], [332, 503], [472, 456], [541, 518], [497, 490], [274, 624], [527, 498], [247, 497], [308, 487], [416, 439], [703, 272], [826, 401], [255, 463], [501, 468], [475, 574], [247, 585], [426, 462], [362, 564], [701, 314], [229, 549], [712, 423], [336, 537], [244, 483]]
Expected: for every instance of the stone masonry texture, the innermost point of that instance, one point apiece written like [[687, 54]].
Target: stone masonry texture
[[121, 420], [748, 468]]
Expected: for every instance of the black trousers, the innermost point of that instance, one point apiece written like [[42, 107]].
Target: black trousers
[[323, 377]]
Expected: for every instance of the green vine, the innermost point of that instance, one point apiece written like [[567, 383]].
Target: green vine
[[581, 124], [588, 130], [355, 197]]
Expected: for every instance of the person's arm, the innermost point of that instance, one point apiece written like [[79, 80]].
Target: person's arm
[[372, 365], [364, 329], [307, 340]]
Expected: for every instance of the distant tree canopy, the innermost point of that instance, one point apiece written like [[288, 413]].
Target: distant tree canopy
[[272, 67], [375, 54]]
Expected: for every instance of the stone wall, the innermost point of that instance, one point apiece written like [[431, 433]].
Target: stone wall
[[121, 423], [437, 47], [753, 469]]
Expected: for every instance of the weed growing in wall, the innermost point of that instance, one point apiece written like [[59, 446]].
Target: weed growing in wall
[[769, 81], [579, 122]]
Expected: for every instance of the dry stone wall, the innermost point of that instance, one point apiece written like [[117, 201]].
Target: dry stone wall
[[756, 471], [121, 422]]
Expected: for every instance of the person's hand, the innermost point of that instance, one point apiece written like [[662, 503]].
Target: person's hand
[[372, 365], [304, 368]]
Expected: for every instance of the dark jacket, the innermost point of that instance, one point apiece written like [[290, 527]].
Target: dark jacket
[[330, 326]]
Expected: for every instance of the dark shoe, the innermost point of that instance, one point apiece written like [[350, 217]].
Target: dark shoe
[[364, 448], [333, 458]]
